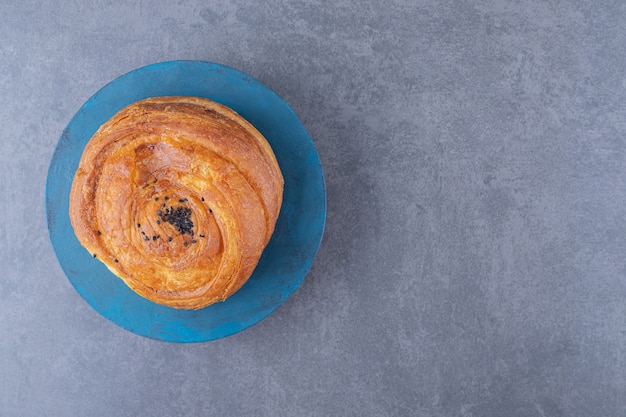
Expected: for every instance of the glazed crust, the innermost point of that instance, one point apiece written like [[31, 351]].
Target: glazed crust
[[177, 196]]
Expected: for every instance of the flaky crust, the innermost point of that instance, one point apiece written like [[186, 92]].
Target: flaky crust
[[177, 196]]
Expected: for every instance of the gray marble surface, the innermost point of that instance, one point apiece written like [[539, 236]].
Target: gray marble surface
[[474, 256]]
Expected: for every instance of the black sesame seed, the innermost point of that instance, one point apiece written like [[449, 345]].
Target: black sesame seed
[[99, 232], [181, 201], [201, 235], [156, 198], [159, 213], [94, 255], [166, 198], [158, 221], [202, 198], [116, 260], [138, 225], [193, 241], [210, 211], [147, 238], [169, 239], [186, 243], [186, 199]]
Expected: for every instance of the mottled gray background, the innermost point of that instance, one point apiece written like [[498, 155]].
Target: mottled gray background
[[474, 257]]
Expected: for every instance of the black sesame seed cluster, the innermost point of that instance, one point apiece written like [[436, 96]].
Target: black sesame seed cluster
[[179, 217]]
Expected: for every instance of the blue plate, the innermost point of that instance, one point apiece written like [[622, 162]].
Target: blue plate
[[285, 261]]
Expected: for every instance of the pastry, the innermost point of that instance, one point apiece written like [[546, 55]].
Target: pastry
[[178, 197]]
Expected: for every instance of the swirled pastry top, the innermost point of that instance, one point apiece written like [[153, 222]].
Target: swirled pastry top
[[177, 196]]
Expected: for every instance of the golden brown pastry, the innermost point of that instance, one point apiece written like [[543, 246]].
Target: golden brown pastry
[[178, 196]]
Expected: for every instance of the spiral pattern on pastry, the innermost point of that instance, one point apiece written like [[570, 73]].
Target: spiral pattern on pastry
[[177, 196]]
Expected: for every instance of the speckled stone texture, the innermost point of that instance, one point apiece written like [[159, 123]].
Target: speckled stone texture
[[474, 256]]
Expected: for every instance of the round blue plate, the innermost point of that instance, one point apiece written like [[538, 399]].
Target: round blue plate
[[285, 261]]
